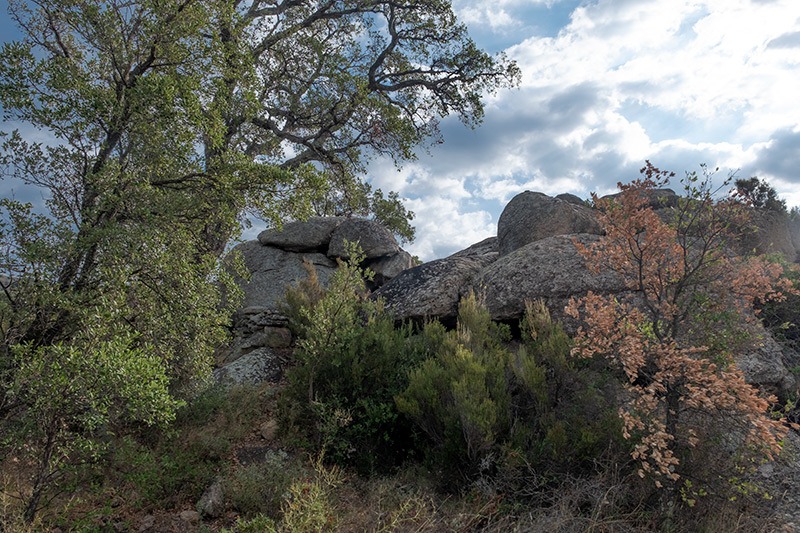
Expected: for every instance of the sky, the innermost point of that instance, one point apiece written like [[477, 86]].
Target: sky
[[606, 85]]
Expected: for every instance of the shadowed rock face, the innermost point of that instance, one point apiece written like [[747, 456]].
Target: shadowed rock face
[[770, 232], [433, 289], [272, 270]]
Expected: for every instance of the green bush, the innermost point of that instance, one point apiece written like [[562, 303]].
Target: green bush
[[459, 396], [169, 466], [351, 362], [258, 489], [485, 409]]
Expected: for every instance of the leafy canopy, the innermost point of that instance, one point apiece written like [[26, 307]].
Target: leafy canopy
[[164, 124]]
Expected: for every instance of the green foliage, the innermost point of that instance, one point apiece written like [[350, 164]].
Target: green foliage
[[168, 467], [351, 362], [480, 404], [459, 396], [308, 508], [257, 524], [167, 124], [70, 393], [760, 194]]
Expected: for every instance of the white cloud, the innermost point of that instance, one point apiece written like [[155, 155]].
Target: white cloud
[[444, 228], [679, 82]]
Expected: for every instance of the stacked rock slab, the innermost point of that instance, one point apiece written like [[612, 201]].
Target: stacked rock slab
[[275, 261]]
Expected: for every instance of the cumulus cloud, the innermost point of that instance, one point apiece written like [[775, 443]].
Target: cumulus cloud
[[680, 83], [780, 157]]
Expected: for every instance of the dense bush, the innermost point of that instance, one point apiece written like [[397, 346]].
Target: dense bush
[[351, 362], [488, 411]]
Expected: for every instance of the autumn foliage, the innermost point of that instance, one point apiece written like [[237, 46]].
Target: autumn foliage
[[677, 333]]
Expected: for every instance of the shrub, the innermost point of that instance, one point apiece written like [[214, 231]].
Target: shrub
[[170, 466], [459, 396], [351, 361], [490, 412], [683, 385]]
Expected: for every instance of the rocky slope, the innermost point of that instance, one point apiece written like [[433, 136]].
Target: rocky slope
[[532, 257]]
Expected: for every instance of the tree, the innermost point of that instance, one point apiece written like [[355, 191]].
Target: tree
[[166, 123], [760, 194], [677, 338]]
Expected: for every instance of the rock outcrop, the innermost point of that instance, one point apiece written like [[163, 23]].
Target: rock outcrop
[[275, 261], [532, 216], [435, 288], [534, 257]]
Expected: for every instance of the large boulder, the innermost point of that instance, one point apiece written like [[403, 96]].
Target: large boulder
[[260, 365], [550, 269], [312, 235], [272, 270], [532, 216], [372, 237], [432, 289], [277, 260]]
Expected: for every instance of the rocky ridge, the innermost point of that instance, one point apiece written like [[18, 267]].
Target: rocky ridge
[[532, 257]]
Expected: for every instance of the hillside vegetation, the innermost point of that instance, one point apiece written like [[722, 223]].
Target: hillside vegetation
[[641, 422]]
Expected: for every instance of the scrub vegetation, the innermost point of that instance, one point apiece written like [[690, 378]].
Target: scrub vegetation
[[163, 126]]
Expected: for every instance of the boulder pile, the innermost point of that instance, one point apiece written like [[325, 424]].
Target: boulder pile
[[532, 257], [274, 261]]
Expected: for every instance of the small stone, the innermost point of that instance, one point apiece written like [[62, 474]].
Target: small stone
[[269, 429], [190, 516], [212, 502], [147, 522]]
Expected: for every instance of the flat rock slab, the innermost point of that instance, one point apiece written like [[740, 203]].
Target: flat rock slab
[[433, 289], [312, 235]]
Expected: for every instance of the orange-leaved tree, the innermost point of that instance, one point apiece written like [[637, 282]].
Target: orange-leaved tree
[[677, 334]]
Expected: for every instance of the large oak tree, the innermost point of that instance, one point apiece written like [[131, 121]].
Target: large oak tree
[[167, 122]]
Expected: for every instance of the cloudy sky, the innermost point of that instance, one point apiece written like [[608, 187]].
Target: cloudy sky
[[606, 85]]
